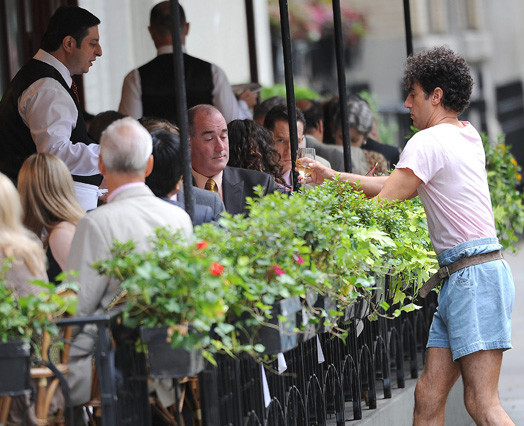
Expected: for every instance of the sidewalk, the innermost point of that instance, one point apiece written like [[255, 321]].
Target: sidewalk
[[511, 385]]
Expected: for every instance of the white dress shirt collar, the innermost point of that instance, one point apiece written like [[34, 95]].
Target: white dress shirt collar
[[122, 188], [49, 59], [168, 49]]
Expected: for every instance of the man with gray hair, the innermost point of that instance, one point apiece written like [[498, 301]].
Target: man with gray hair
[[133, 213]]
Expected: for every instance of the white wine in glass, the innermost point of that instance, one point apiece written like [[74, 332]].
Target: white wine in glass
[[302, 169]]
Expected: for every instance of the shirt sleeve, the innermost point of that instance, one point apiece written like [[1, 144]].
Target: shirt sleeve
[[423, 155], [131, 100], [225, 100], [51, 115]]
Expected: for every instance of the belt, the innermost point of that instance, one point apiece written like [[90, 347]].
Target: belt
[[448, 270]]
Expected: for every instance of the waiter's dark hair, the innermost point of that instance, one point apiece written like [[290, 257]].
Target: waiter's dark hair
[[160, 18], [67, 21]]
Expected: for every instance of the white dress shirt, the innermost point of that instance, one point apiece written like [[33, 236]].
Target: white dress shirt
[[223, 97], [50, 113]]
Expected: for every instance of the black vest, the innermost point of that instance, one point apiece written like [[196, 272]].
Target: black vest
[[16, 143], [157, 79]]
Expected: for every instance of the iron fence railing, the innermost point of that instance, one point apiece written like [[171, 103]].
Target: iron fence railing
[[324, 380], [354, 373]]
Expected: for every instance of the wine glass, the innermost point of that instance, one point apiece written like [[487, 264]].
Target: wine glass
[[303, 169]]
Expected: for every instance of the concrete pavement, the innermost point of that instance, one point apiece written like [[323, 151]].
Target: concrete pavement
[[511, 385]]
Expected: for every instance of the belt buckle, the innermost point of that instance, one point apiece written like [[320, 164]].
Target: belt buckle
[[444, 272]]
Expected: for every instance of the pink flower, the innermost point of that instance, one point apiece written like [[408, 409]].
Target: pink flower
[[277, 270], [299, 259], [216, 269]]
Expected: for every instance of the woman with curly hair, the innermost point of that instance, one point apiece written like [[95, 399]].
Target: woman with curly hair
[[51, 209], [251, 147], [19, 248]]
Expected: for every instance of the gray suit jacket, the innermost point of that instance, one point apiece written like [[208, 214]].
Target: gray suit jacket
[[206, 198], [237, 184], [133, 214]]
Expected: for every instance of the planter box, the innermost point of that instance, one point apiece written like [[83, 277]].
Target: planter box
[[303, 316], [280, 334], [164, 361], [327, 303], [15, 365], [358, 310]]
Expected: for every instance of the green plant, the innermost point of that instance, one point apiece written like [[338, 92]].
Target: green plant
[[301, 92], [177, 283], [331, 240], [26, 317], [504, 177]]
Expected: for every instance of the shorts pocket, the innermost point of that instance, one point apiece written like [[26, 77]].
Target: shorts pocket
[[462, 310]]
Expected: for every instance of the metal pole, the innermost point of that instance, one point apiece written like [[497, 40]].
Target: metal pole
[[290, 89], [181, 108], [342, 95], [250, 20], [407, 25]]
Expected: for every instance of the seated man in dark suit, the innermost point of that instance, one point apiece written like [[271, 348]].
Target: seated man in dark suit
[[201, 196], [165, 180], [209, 157]]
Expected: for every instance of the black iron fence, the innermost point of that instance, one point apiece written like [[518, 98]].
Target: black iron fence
[[327, 380], [324, 380]]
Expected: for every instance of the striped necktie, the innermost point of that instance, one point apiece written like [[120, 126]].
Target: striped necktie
[[211, 185], [74, 88]]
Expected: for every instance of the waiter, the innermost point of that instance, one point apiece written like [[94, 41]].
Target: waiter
[[40, 111]]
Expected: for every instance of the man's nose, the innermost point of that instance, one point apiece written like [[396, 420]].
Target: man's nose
[[220, 145], [99, 51], [407, 103]]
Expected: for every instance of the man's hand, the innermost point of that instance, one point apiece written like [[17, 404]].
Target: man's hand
[[317, 171], [249, 97]]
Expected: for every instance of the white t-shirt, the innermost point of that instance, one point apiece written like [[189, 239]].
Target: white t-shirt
[[450, 161]]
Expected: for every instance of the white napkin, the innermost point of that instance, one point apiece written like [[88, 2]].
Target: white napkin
[[282, 366], [265, 388]]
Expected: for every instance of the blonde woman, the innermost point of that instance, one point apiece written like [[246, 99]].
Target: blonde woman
[[18, 244], [51, 209]]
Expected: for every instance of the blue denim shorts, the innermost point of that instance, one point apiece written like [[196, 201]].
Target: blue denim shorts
[[474, 304]]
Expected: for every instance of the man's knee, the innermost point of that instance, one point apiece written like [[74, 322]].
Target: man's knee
[[427, 397]]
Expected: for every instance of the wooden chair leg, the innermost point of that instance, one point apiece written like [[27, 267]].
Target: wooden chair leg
[[5, 405]]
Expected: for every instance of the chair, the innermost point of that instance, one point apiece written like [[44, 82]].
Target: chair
[[45, 381], [5, 404]]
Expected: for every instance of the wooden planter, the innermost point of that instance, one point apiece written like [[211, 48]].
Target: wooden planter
[[164, 361], [15, 367]]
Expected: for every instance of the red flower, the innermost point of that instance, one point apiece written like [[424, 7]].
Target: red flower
[[277, 270], [202, 245], [299, 259], [216, 269]]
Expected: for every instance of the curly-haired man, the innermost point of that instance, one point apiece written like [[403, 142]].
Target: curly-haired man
[[444, 163]]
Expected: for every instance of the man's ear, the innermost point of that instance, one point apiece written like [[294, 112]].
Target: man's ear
[[149, 165], [437, 96], [185, 32], [320, 126], [68, 43]]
